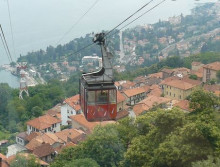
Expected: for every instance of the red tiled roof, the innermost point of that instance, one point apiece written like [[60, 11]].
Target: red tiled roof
[[184, 83], [71, 133], [135, 91], [183, 104], [214, 66], [122, 114], [157, 75], [120, 97], [139, 108], [73, 102], [43, 122], [79, 118], [22, 135], [43, 150], [32, 136]]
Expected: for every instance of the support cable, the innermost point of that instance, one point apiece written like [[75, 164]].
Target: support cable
[[6, 43], [77, 22]]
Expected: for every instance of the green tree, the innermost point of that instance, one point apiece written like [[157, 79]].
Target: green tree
[[22, 161], [210, 162], [87, 162]]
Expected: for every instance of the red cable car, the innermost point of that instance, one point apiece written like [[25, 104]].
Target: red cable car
[[98, 94]]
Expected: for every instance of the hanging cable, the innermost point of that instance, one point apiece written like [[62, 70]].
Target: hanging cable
[[6, 43], [77, 22], [129, 17], [5, 47], [12, 35], [139, 17], [108, 34]]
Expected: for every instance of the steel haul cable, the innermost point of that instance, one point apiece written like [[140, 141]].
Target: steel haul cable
[[5, 47]]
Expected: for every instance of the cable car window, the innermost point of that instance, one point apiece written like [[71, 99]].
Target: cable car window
[[91, 97], [112, 96], [102, 96]]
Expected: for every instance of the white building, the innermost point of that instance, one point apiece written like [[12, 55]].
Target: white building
[[43, 124], [70, 107]]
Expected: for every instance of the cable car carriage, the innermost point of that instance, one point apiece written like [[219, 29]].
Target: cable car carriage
[[98, 94]]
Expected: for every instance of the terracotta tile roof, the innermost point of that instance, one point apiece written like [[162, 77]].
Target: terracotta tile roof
[[122, 114], [73, 102], [183, 104], [49, 138], [33, 144], [184, 83], [43, 122], [146, 88], [71, 133], [120, 97], [140, 108], [4, 161], [198, 73], [156, 92], [211, 88], [150, 101], [134, 91], [43, 150], [32, 136], [214, 66], [156, 75], [55, 110], [22, 135], [80, 119]]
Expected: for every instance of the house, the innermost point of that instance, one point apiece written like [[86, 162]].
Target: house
[[184, 105], [70, 107], [179, 87], [174, 72], [43, 124], [80, 122], [71, 135], [49, 138], [45, 152], [210, 71], [134, 95], [149, 103], [124, 85], [212, 88], [21, 138]]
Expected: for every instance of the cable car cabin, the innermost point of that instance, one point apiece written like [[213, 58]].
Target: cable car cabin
[[98, 94]]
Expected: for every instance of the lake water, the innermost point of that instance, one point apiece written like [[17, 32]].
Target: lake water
[[39, 23], [7, 77]]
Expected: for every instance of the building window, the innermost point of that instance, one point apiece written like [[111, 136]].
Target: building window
[[180, 96], [167, 93], [170, 93], [174, 95], [170, 87], [71, 112], [167, 86]]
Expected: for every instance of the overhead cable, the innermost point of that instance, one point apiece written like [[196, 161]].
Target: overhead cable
[[129, 17], [7, 48], [77, 22], [12, 35]]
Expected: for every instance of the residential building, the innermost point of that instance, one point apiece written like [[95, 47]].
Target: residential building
[[70, 107], [210, 71], [45, 152], [179, 87], [80, 122], [134, 95], [43, 124], [196, 65], [150, 102], [21, 138], [183, 105]]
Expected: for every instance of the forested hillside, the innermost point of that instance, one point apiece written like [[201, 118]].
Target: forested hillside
[[159, 138]]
